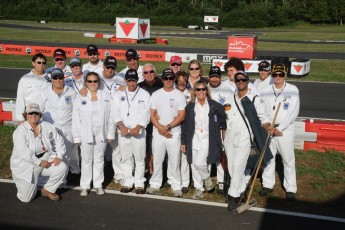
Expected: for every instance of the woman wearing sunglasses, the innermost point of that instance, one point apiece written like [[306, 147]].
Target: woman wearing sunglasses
[[204, 116], [195, 73], [90, 130], [34, 155]]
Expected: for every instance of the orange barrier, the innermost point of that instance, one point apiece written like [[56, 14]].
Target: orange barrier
[[4, 116]]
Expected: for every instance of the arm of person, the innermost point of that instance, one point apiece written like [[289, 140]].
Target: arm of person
[[161, 128], [293, 111], [76, 126], [20, 102]]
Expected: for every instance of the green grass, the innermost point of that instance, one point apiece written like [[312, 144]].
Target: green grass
[[6, 146]]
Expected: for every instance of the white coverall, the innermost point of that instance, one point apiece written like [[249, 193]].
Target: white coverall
[[237, 141], [88, 67], [139, 71], [132, 108], [261, 85], [25, 164], [288, 112]]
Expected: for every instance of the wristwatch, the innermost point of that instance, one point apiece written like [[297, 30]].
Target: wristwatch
[[169, 127]]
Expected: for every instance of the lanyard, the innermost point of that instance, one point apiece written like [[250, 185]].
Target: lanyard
[[275, 100], [75, 83], [201, 109], [40, 137], [109, 88], [129, 104]]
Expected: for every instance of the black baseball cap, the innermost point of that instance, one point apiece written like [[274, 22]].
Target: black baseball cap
[[91, 49], [131, 74], [131, 54], [110, 61], [215, 72], [167, 73], [264, 66]]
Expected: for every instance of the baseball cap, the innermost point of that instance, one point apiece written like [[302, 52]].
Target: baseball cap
[[176, 59], [167, 73], [57, 72], [110, 61], [75, 61], [279, 68], [59, 53], [131, 54], [241, 73], [32, 107], [215, 72], [131, 74], [264, 66], [91, 49]]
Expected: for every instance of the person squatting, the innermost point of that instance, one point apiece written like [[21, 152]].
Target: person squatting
[[182, 119]]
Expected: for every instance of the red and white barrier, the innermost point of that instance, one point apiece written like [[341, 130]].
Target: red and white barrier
[[97, 35], [7, 113]]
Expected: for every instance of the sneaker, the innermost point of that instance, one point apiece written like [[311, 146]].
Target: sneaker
[[151, 190], [291, 196], [208, 184], [185, 189], [139, 190], [100, 191], [177, 193], [125, 189], [198, 194], [84, 192], [118, 181], [265, 191], [50, 195], [166, 185]]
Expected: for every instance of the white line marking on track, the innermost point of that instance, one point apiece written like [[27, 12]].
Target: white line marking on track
[[209, 203]]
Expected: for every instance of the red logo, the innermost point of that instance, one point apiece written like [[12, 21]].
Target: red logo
[[298, 68], [219, 64], [247, 65], [127, 26], [143, 28]]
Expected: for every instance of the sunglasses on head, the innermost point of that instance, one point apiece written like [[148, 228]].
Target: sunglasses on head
[[175, 64], [34, 113], [59, 59], [194, 69], [110, 67], [278, 75], [200, 89], [241, 80], [92, 81], [150, 71], [169, 78], [41, 62], [58, 77]]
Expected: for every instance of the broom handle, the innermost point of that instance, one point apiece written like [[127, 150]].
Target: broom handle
[[262, 155]]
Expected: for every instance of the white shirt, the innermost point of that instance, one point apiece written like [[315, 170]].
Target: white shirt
[[132, 108], [57, 110], [229, 85], [28, 91], [111, 85], [168, 104], [290, 104], [201, 134], [220, 93], [75, 84], [139, 71], [88, 67], [261, 85]]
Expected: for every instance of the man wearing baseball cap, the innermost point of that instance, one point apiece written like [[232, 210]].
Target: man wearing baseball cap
[[60, 62], [131, 114], [94, 64], [76, 81], [132, 59], [265, 79], [176, 63]]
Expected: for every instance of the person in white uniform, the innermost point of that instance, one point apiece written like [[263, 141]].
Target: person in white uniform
[[60, 60], [76, 81], [38, 150], [56, 103], [220, 94], [204, 116], [168, 104], [132, 59], [284, 134], [265, 79], [30, 85], [237, 141], [90, 128], [131, 113], [95, 64]]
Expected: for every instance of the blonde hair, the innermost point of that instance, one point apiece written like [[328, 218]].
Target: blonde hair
[[198, 83]]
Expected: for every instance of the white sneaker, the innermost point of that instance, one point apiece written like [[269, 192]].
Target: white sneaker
[[118, 181], [208, 184], [84, 192], [151, 190], [100, 191], [177, 193], [198, 194]]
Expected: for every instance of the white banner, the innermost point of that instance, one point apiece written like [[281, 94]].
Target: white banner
[[211, 19], [300, 68], [144, 28], [127, 28]]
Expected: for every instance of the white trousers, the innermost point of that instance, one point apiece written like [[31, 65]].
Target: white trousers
[[237, 154], [161, 145], [184, 170], [74, 165], [68, 140], [200, 169], [56, 174], [92, 163], [133, 146], [116, 159], [285, 146]]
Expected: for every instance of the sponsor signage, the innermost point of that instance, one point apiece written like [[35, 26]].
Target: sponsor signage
[[207, 58], [242, 46]]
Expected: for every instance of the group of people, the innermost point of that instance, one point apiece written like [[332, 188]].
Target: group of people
[[68, 114]]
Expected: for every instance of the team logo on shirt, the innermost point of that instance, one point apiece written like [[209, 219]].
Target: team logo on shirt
[[172, 103], [83, 102], [286, 106], [68, 100], [221, 100], [123, 98]]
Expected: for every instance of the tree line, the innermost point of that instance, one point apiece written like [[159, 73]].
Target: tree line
[[232, 13]]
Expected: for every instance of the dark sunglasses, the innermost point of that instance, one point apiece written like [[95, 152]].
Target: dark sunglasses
[[194, 69], [41, 62], [150, 71], [58, 77], [130, 80], [110, 67], [34, 113], [93, 54], [175, 64], [169, 78], [90, 81], [200, 89], [59, 59], [241, 80], [278, 75]]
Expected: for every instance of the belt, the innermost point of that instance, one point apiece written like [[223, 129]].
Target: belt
[[40, 155]]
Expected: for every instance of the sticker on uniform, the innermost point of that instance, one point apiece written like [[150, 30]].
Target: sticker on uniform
[[227, 107], [221, 100], [83, 102], [123, 98], [262, 101], [172, 103], [286, 106], [215, 118], [68, 100]]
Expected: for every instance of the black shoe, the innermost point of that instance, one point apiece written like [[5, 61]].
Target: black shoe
[[125, 190], [233, 203], [140, 191], [166, 185], [185, 190], [291, 196], [265, 191]]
